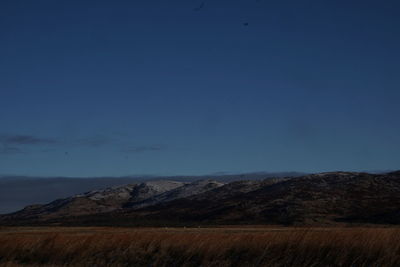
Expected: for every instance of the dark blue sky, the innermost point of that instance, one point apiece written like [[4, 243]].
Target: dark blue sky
[[93, 88]]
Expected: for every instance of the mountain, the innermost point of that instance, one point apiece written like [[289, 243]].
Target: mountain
[[184, 191], [115, 198], [317, 199], [313, 199], [16, 192]]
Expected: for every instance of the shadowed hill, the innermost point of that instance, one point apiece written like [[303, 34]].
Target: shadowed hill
[[313, 199], [16, 192], [318, 199]]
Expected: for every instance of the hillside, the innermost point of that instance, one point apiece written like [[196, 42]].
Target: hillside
[[17, 192], [112, 199], [318, 199]]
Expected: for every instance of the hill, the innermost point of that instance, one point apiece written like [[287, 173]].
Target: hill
[[317, 199], [16, 192]]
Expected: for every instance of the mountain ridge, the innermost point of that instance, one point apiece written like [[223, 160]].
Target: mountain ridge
[[315, 199], [16, 192]]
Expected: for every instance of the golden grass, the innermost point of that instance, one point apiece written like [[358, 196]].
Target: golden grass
[[200, 247]]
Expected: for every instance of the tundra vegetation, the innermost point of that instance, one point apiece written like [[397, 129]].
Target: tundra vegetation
[[220, 246]]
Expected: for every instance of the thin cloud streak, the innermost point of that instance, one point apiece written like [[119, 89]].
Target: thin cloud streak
[[17, 139], [11, 144], [142, 149], [7, 150]]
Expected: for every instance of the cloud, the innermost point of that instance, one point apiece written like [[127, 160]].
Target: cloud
[[142, 149], [11, 144], [17, 139], [7, 150], [14, 143]]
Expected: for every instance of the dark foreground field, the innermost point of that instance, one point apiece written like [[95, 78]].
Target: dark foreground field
[[229, 246]]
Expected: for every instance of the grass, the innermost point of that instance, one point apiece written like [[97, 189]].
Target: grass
[[228, 246]]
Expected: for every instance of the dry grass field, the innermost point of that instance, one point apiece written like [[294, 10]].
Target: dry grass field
[[226, 246]]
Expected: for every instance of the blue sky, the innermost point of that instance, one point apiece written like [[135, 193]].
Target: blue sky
[[96, 88]]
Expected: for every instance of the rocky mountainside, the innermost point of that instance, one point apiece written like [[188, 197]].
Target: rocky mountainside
[[313, 199], [16, 192], [318, 199], [114, 198], [186, 190]]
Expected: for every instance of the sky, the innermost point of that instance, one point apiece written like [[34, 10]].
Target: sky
[[100, 88]]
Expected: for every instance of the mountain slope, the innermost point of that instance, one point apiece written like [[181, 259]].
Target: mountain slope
[[16, 192], [97, 201], [186, 190], [318, 199], [313, 199]]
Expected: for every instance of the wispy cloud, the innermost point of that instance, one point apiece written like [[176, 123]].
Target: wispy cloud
[[16, 139], [142, 149], [7, 150], [11, 144], [19, 143]]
